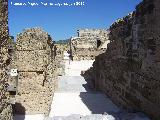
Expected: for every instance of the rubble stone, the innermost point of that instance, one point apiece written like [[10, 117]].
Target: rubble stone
[[37, 66], [5, 106], [128, 71]]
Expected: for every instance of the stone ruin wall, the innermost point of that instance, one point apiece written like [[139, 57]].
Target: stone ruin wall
[[88, 43], [60, 48], [5, 106], [92, 33], [37, 72], [129, 71]]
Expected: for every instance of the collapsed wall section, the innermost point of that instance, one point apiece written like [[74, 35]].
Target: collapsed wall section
[[129, 71]]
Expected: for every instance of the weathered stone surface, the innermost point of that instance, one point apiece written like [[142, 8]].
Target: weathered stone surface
[[5, 106], [36, 62], [129, 70], [39, 60], [31, 37], [89, 43], [59, 52]]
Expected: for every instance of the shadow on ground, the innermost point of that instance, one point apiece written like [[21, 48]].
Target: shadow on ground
[[101, 104], [97, 102], [19, 110]]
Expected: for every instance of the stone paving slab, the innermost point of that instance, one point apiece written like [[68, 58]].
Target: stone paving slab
[[101, 117], [80, 117], [72, 84], [82, 103], [74, 68]]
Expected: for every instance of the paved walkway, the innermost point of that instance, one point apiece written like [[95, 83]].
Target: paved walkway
[[75, 101]]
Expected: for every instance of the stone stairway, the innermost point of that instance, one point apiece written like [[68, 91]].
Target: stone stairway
[[75, 101]]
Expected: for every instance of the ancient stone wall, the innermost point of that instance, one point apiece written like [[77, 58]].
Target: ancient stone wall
[[92, 33], [37, 72], [5, 106], [89, 43], [129, 71], [60, 48]]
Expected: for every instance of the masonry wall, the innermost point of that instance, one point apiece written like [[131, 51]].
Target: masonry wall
[[92, 33], [37, 72], [5, 106], [129, 71], [88, 43]]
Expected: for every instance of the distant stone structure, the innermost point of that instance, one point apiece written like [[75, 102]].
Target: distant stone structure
[[37, 72], [89, 43], [99, 33], [5, 106], [129, 71]]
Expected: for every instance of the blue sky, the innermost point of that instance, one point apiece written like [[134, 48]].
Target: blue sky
[[62, 22]]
